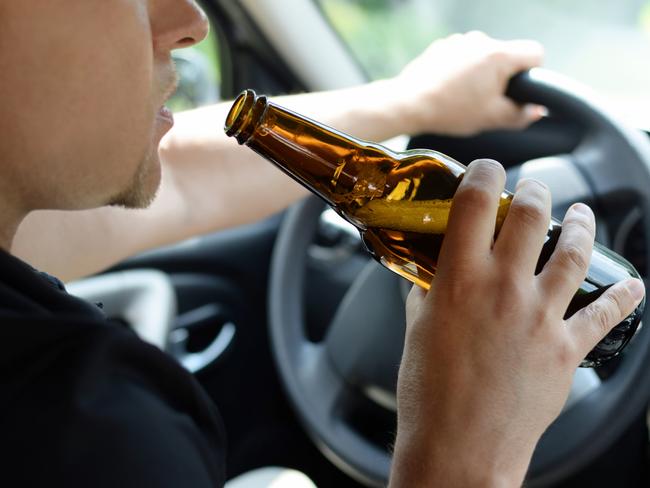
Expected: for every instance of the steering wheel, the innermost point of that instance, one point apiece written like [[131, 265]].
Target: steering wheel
[[361, 351]]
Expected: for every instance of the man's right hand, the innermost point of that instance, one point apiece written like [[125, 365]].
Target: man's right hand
[[457, 86], [489, 360]]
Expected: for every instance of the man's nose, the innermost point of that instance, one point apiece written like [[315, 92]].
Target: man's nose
[[178, 23]]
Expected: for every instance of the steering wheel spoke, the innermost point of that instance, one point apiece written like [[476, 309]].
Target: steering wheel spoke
[[366, 336], [611, 168], [324, 388]]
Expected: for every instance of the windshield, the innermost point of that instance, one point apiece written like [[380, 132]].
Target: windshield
[[603, 44]]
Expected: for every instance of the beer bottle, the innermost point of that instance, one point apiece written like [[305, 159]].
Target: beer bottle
[[399, 201]]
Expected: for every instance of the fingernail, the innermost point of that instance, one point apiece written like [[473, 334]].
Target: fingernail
[[532, 182], [581, 208], [484, 163], [535, 112], [636, 288]]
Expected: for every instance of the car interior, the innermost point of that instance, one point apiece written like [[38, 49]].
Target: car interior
[[296, 333]]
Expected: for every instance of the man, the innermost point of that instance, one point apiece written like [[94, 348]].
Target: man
[[85, 403]]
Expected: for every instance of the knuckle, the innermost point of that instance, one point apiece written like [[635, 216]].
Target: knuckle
[[501, 311], [599, 313], [516, 292], [582, 223], [511, 286], [564, 354], [454, 290], [530, 212], [533, 187], [474, 195], [495, 116], [539, 327], [497, 57], [518, 120], [573, 256], [481, 184], [619, 299], [462, 267]]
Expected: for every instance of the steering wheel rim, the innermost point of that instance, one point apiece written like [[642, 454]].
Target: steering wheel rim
[[311, 373]]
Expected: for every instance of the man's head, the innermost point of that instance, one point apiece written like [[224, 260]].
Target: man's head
[[81, 91]]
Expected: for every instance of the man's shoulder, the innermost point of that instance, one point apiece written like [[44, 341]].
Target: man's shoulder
[[95, 399], [133, 434]]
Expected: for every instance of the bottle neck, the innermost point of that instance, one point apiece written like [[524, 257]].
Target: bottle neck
[[329, 163]]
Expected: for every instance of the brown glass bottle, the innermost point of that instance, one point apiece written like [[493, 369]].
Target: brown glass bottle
[[400, 202]]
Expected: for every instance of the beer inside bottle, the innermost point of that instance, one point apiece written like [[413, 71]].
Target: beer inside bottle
[[399, 201]]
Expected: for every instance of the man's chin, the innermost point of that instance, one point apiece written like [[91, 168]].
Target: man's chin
[[143, 189], [133, 200]]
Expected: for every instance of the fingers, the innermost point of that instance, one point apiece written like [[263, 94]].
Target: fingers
[[523, 54], [567, 266], [516, 55], [591, 324], [524, 230], [470, 229], [508, 114]]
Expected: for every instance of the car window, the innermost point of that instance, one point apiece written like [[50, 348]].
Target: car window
[[605, 45], [199, 75]]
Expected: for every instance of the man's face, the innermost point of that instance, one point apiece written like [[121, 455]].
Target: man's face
[[82, 83]]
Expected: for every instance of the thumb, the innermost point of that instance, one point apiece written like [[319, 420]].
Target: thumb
[[413, 302]]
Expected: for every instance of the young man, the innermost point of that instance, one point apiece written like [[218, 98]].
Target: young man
[[87, 404]]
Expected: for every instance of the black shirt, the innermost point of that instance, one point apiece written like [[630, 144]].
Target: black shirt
[[84, 402]]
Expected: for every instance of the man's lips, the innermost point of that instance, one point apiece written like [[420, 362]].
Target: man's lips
[[166, 115]]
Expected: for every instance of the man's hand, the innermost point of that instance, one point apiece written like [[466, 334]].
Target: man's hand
[[489, 359], [457, 85]]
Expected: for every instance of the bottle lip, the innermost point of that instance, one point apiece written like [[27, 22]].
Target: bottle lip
[[245, 115], [239, 112]]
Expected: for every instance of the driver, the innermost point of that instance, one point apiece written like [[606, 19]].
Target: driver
[[86, 181]]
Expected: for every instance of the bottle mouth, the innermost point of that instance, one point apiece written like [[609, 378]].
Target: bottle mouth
[[238, 112], [245, 113]]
